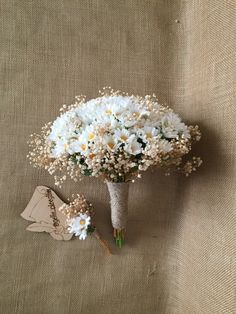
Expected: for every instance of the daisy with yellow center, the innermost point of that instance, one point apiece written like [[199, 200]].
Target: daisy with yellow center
[[122, 135], [80, 146], [89, 133], [109, 142], [133, 147], [111, 145], [78, 225], [82, 222], [91, 156], [147, 133], [83, 147], [91, 136], [108, 112]]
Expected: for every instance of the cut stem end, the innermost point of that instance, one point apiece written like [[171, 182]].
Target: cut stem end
[[119, 235]]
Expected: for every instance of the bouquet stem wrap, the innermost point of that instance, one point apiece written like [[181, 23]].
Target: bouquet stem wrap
[[119, 193]]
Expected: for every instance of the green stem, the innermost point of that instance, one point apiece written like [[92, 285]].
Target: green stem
[[119, 235]]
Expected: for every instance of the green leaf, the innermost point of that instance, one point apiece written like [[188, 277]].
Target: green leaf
[[87, 172], [138, 156], [135, 168], [74, 159], [81, 161], [91, 228]]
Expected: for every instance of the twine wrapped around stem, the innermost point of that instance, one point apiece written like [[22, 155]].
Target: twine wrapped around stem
[[119, 209]]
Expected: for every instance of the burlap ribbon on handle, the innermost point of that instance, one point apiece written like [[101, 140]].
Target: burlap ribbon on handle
[[119, 193]]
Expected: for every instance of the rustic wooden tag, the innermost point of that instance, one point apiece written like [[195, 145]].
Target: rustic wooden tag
[[43, 211]]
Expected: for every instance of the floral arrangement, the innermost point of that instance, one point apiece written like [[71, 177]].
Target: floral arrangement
[[79, 219], [78, 216], [114, 137]]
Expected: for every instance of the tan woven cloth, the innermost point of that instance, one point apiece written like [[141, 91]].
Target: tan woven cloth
[[180, 254]]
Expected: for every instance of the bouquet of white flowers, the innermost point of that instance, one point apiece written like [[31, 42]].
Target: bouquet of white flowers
[[115, 137]]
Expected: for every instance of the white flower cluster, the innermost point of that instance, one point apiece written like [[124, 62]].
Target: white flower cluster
[[118, 127], [114, 136], [114, 123]]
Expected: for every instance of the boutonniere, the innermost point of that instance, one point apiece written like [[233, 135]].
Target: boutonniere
[[79, 219]]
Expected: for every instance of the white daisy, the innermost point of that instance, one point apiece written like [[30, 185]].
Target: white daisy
[[83, 234], [89, 133], [60, 148], [80, 146], [133, 147], [164, 146], [122, 135], [64, 126], [115, 105], [148, 132], [186, 133], [109, 142], [78, 224], [172, 126]]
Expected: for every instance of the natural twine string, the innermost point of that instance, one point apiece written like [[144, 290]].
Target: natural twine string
[[103, 243], [119, 203]]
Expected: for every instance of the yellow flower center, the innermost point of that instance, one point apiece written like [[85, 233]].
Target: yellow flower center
[[149, 135], [83, 146], [82, 222], [91, 156], [124, 137], [108, 111], [91, 136], [111, 145], [136, 114]]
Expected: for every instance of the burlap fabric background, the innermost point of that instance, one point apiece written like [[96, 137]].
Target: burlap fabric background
[[181, 240]]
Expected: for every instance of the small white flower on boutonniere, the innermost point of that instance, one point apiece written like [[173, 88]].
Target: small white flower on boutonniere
[[79, 225], [79, 215], [79, 218]]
